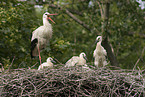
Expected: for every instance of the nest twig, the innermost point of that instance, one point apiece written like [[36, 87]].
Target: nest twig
[[75, 81]]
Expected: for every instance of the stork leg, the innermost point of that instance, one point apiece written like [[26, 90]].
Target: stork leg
[[39, 55]]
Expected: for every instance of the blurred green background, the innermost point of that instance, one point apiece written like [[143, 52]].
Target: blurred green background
[[19, 18]]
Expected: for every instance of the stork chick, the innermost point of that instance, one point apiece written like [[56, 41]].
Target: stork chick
[[100, 53], [76, 60], [49, 63]]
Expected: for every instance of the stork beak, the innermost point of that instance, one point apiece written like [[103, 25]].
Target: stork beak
[[50, 18], [96, 41], [85, 58], [53, 61]]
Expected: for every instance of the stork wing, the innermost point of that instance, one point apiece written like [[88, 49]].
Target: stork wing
[[72, 61], [94, 54], [104, 51], [33, 45]]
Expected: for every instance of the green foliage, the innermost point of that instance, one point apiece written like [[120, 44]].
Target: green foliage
[[16, 24], [19, 19], [126, 27]]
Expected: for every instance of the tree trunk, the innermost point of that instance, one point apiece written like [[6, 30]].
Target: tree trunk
[[110, 54], [105, 43]]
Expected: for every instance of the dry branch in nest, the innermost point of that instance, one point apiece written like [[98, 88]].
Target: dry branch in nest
[[75, 81]]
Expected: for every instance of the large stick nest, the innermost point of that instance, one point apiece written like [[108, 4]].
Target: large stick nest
[[75, 81]]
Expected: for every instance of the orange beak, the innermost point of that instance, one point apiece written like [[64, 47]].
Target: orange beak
[[50, 18]]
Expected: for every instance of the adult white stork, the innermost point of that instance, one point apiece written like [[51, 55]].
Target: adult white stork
[[49, 63], [76, 60], [41, 36], [100, 53]]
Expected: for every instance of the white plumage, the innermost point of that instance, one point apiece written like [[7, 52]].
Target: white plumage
[[75, 60], [48, 63], [86, 68], [100, 53], [41, 36]]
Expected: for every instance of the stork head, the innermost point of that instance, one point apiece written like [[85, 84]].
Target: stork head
[[83, 55], [49, 59], [47, 15], [99, 38]]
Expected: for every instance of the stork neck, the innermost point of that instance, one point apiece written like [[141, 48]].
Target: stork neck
[[46, 22], [99, 43]]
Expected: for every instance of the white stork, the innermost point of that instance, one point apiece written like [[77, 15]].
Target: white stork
[[100, 53], [41, 36], [49, 63], [75, 60]]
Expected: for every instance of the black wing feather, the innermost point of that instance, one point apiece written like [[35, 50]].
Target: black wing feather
[[33, 45]]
